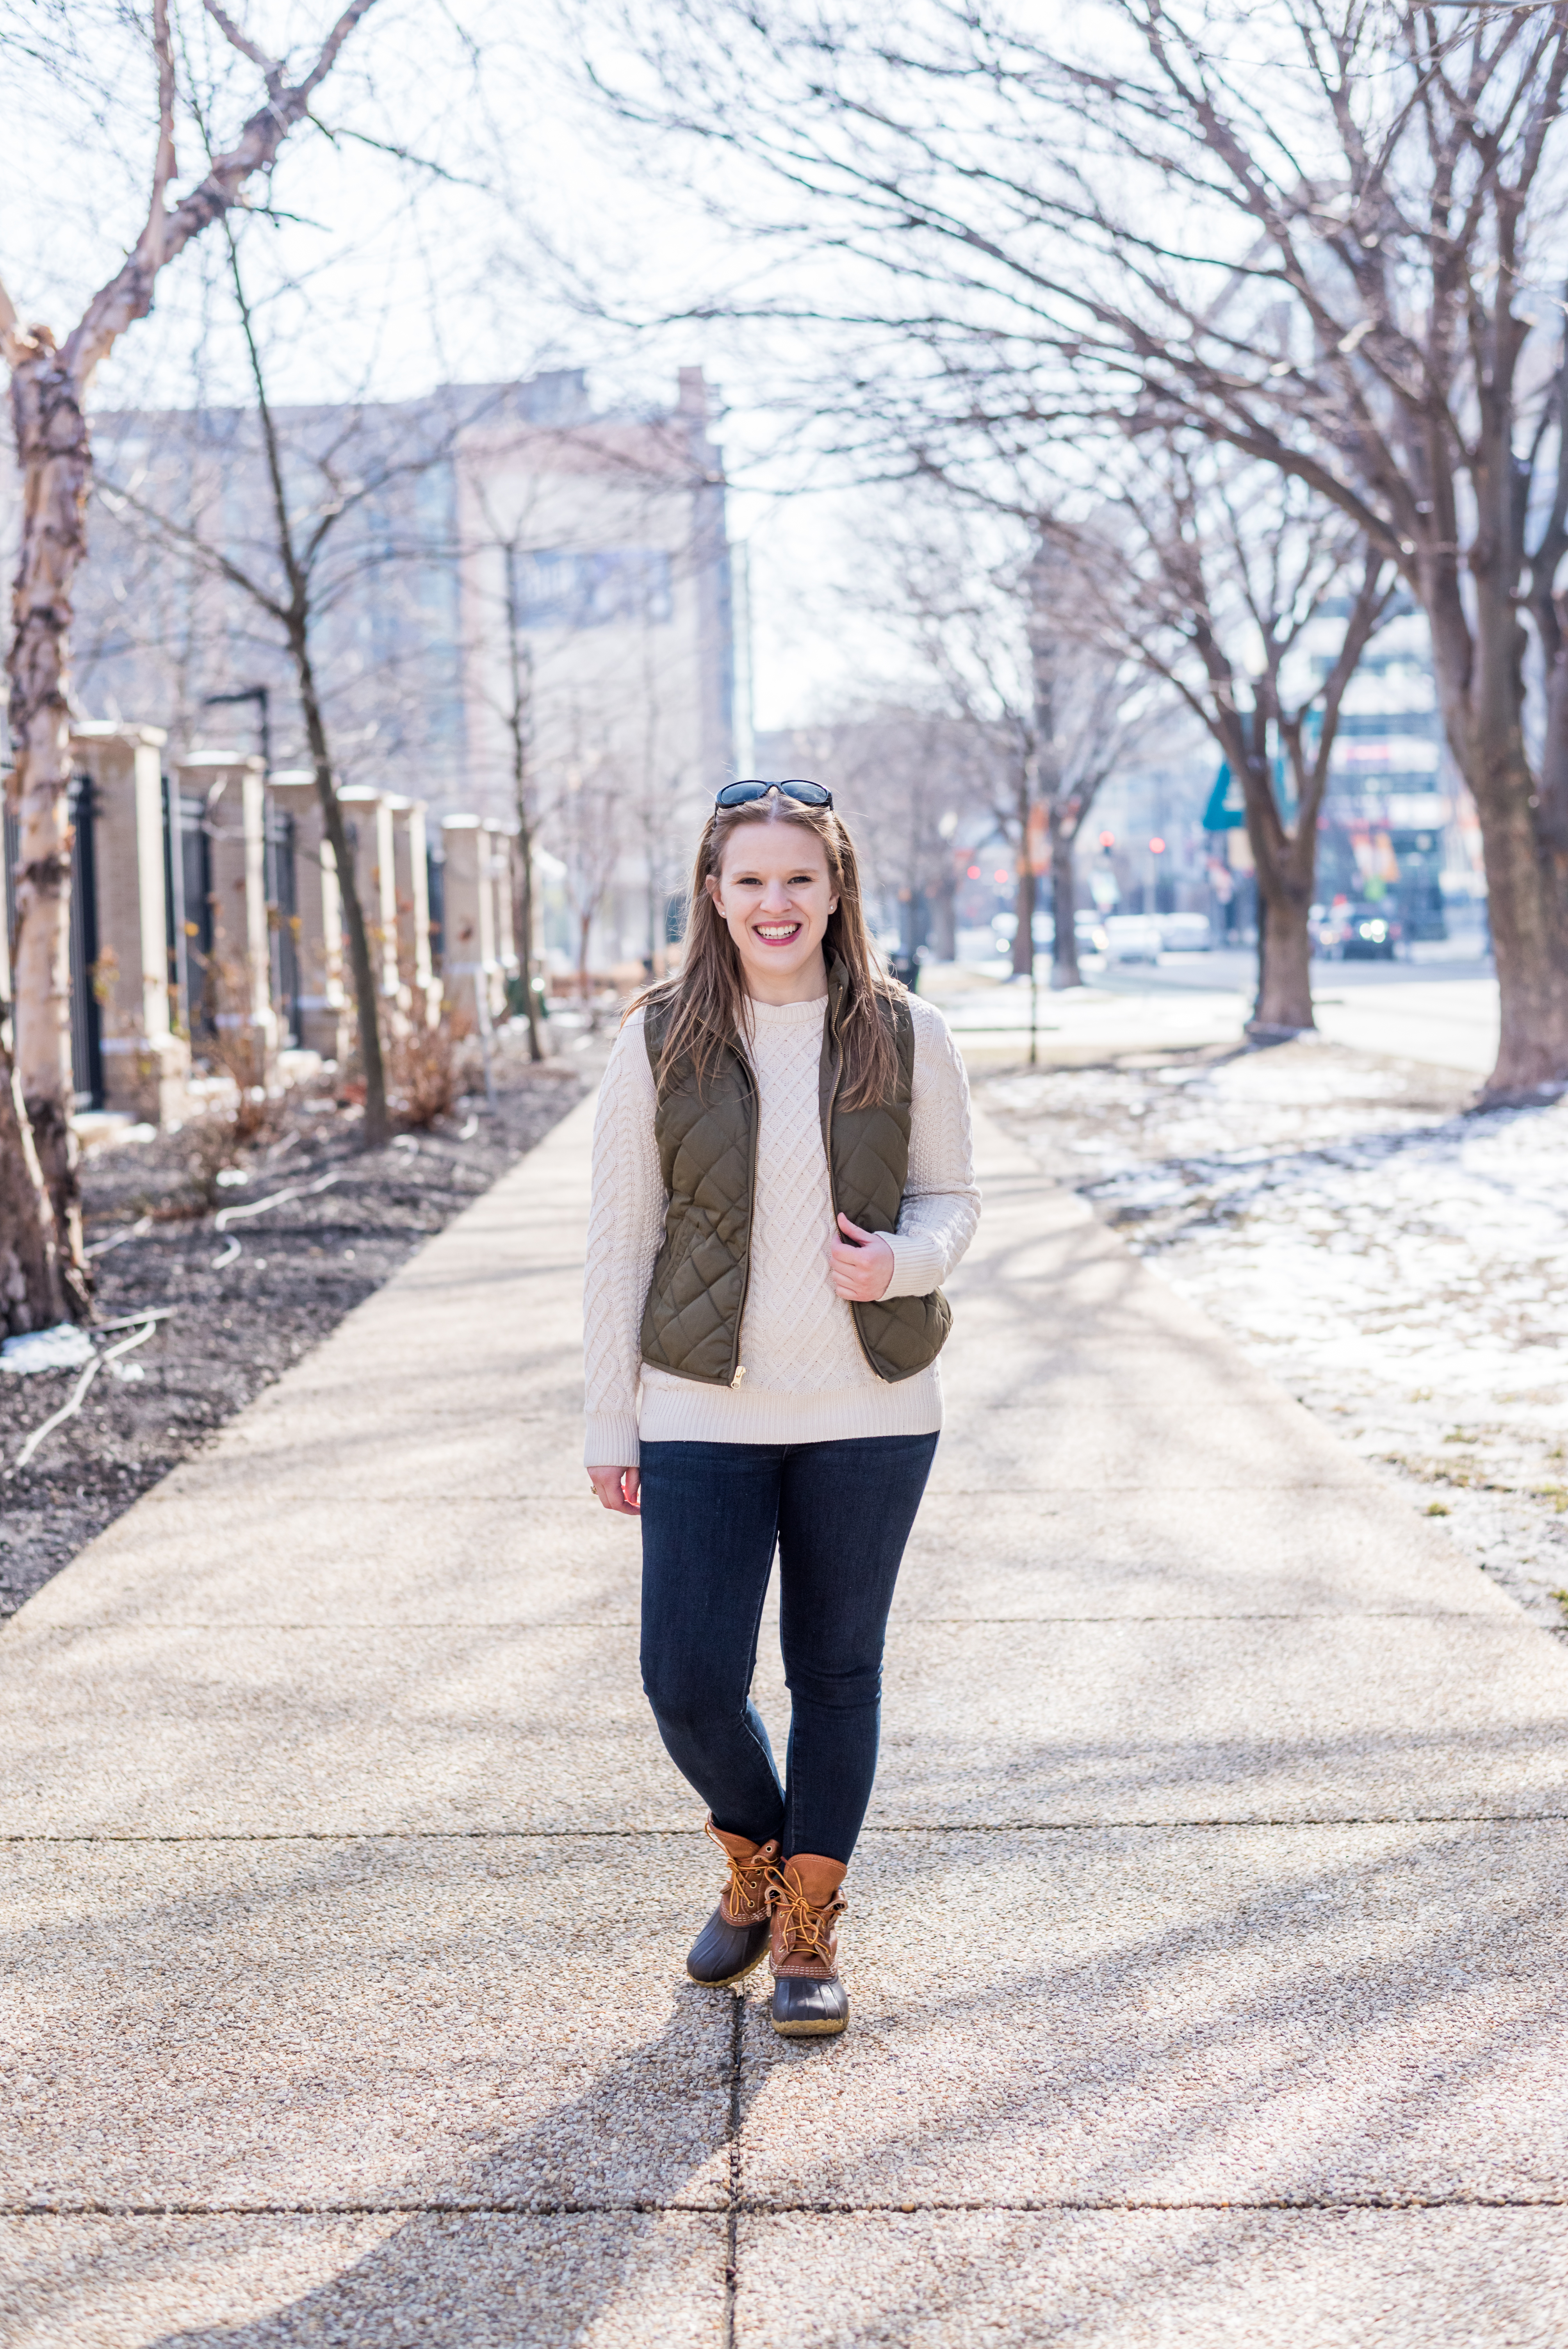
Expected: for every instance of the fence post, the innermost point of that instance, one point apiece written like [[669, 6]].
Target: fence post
[[145, 1064]]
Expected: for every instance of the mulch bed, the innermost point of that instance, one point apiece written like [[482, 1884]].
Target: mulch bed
[[237, 1325]]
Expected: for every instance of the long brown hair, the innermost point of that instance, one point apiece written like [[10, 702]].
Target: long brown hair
[[708, 999]]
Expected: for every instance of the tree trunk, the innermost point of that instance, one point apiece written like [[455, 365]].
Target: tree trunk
[[367, 998], [945, 923], [518, 722], [1527, 905], [1023, 936], [584, 924], [53, 454], [53, 457], [32, 1295], [1064, 969], [525, 937], [1480, 686], [1283, 1004]]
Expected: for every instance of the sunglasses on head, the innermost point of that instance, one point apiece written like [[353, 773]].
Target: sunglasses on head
[[736, 795]]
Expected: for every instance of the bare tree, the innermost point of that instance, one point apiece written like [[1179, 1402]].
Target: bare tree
[[586, 826], [1209, 573], [511, 690], [962, 612], [914, 779], [1326, 232], [584, 537], [352, 462], [295, 614], [660, 782], [49, 380], [1054, 699], [520, 729], [1096, 704], [509, 685]]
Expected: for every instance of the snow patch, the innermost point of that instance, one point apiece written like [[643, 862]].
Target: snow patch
[[1404, 1272]]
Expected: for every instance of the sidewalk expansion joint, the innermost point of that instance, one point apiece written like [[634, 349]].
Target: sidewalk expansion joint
[[1412, 1614], [446, 2206], [732, 2135], [441, 1623], [1310, 1821]]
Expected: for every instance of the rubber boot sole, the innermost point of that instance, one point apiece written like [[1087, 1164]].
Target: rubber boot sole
[[811, 2030], [729, 1981]]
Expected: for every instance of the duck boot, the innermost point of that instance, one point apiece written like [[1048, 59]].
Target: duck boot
[[736, 1935], [808, 2000]]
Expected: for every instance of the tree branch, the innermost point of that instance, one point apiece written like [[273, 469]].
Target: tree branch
[[163, 167], [182, 534], [271, 67], [128, 295]]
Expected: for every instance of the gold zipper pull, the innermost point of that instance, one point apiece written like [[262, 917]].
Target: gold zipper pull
[[739, 1374]]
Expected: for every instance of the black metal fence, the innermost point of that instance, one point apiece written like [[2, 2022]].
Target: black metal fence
[[435, 890], [87, 1022], [188, 902], [282, 887]]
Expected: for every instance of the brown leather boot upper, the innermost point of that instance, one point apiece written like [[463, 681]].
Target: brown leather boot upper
[[805, 1903], [744, 1901]]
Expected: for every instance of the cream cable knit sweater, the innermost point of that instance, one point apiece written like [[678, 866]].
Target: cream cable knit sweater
[[806, 1381]]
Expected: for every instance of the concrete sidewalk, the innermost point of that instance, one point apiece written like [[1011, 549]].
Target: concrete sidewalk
[[1206, 1947]]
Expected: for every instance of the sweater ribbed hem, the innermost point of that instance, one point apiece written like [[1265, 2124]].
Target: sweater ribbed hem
[[678, 1411], [917, 1265], [610, 1441]]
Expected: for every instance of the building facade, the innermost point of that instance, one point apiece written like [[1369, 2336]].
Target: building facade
[[600, 631], [509, 590], [1397, 822]]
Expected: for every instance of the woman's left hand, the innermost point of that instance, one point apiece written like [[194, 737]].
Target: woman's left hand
[[862, 1264]]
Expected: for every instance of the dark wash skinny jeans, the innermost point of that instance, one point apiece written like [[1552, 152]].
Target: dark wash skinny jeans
[[840, 1515]]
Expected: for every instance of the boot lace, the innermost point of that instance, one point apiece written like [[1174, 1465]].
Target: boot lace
[[746, 1890], [807, 1928]]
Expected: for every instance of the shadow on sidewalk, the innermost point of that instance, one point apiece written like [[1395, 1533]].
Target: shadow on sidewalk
[[485, 2262], [1306, 2018], [1124, 2021]]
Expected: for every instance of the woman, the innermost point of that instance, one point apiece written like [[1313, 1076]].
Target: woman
[[782, 1180]]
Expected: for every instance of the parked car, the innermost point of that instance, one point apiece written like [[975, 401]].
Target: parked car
[[1088, 929], [1358, 933], [1004, 929], [1185, 933], [1132, 937]]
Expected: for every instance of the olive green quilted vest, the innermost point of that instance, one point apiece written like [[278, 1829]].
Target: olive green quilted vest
[[707, 1152]]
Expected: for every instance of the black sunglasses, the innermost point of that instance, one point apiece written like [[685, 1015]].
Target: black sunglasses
[[742, 794]]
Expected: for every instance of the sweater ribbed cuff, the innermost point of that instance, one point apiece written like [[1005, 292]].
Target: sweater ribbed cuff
[[610, 1440], [916, 1264]]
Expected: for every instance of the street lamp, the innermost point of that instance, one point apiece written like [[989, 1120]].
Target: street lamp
[[283, 968], [260, 695]]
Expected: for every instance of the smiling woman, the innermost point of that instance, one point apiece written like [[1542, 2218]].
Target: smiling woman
[[782, 1180]]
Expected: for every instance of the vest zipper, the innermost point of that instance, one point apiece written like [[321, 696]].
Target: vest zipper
[[738, 1368], [833, 1194]]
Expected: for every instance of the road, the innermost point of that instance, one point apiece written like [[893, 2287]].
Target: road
[[1439, 1008]]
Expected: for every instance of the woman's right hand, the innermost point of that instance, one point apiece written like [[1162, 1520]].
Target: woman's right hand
[[617, 1489]]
